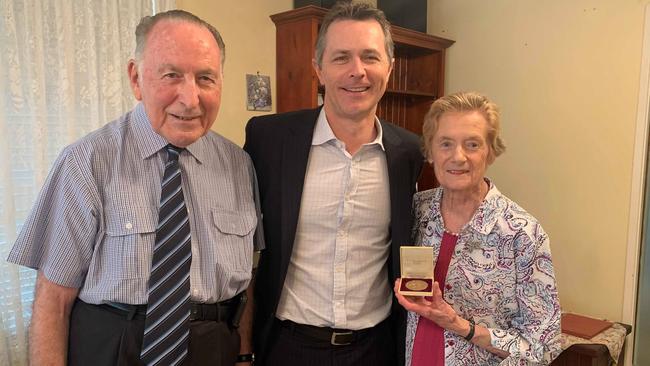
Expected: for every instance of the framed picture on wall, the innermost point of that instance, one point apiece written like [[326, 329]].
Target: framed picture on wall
[[258, 90]]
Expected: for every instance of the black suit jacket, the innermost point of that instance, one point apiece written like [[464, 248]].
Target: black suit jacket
[[279, 146]]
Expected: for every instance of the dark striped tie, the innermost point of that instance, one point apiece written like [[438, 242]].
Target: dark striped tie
[[166, 332]]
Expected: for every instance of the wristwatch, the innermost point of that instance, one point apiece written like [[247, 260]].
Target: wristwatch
[[246, 357], [470, 335]]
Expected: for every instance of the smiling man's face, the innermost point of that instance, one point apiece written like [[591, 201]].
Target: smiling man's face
[[354, 69]]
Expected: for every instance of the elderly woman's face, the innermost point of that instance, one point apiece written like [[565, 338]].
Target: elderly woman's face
[[460, 151]]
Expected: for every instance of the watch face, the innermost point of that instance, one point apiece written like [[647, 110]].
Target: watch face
[[416, 285]]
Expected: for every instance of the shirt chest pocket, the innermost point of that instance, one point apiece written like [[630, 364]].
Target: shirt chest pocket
[[130, 236], [233, 233]]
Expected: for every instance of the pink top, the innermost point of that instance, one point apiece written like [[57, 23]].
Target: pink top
[[428, 346]]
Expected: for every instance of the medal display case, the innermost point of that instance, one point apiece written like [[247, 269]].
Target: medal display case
[[417, 266]]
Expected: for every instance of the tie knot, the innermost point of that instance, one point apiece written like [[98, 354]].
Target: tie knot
[[173, 152]]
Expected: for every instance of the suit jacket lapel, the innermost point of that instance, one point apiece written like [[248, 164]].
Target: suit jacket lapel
[[396, 174], [392, 144], [295, 155]]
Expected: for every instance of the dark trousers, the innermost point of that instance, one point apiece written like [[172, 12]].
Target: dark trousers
[[375, 348], [104, 336]]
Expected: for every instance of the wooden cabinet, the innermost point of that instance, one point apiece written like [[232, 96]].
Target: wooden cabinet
[[416, 81]]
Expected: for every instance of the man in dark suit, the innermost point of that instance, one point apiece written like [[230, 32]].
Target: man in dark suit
[[336, 186]]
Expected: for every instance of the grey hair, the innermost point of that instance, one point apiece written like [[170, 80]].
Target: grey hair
[[148, 22], [465, 102], [346, 10]]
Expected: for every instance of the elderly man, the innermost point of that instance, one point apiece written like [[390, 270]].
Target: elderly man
[[336, 186], [144, 232]]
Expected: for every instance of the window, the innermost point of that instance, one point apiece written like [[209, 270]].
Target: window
[[62, 75]]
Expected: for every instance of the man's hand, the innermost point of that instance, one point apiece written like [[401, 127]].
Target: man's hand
[[50, 322], [246, 324]]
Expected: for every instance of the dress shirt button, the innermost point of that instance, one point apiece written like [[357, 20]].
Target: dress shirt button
[[128, 226]]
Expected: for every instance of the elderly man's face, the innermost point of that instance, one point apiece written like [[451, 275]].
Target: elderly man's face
[[179, 80]]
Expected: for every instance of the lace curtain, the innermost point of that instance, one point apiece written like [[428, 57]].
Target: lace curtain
[[62, 75]]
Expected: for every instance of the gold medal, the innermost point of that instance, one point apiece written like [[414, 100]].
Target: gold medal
[[416, 285]]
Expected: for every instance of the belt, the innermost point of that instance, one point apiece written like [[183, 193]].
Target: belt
[[333, 336], [221, 312], [125, 309]]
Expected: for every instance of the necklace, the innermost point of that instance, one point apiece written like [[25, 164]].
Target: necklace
[[450, 232]]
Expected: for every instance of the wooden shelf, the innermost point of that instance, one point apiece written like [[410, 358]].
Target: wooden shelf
[[414, 93]]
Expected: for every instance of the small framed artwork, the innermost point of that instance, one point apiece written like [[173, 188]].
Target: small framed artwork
[[258, 92]]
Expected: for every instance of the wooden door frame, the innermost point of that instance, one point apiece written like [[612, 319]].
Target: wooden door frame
[[635, 223]]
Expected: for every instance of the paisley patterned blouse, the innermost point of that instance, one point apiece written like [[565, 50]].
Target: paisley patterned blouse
[[500, 275]]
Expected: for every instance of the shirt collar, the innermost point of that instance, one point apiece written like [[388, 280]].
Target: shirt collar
[[486, 214], [323, 132], [149, 142]]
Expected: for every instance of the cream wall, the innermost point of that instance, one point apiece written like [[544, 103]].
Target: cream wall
[[566, 75], [249, 35]]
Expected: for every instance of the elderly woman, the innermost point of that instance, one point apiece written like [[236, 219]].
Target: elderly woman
[[495, 300]]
